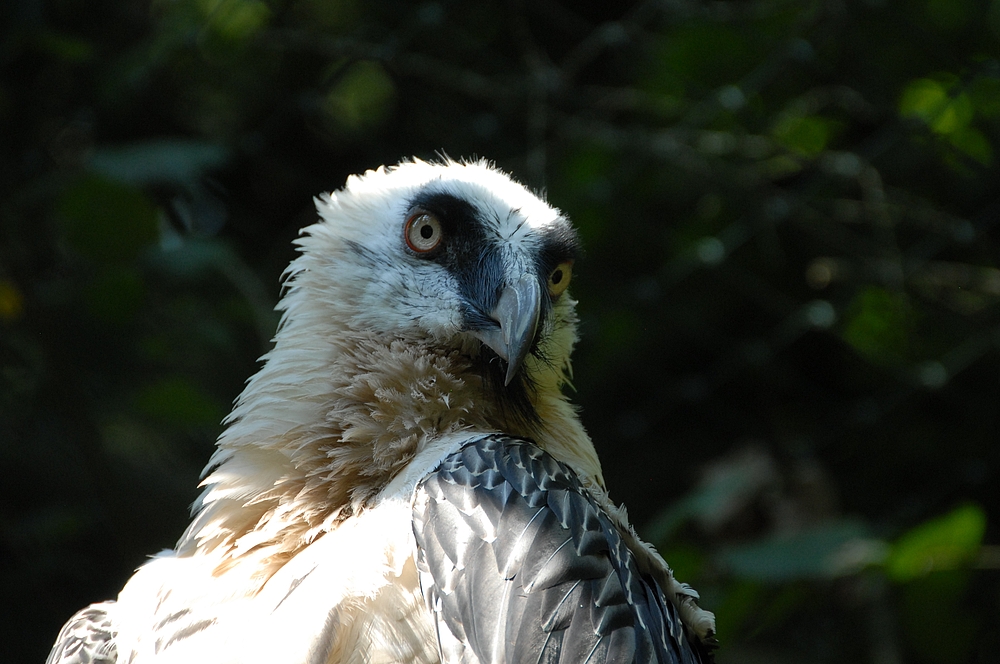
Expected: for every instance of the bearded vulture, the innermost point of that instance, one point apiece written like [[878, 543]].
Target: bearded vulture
[[404, 480]]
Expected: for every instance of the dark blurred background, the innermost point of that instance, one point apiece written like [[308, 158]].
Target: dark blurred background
[[790, 300]]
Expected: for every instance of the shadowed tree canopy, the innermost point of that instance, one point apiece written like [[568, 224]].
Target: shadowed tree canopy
[[790, 289]]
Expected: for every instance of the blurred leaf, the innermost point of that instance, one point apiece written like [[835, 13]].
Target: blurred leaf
[[949, 14], [877, 324], [781, 166], [178, 401], [973, 143], [930, 101], [727, 487], [144, 445], [326, 16], [106, 221], [804, 135], [811, 554], [741, 600], [586, 165], [115, 294], [193, 258], [703, 55], [362, 98], [235, 20], [945, 543], [162, 160], [11, 301], [65, 47], [950, 114]]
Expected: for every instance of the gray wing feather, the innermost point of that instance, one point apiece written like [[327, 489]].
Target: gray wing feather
[[88, 638], [519, 564]]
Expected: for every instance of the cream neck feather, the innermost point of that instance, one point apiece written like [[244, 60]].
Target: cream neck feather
[[327, 423]]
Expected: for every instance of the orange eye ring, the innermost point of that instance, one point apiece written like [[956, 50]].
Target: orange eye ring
[[422, 232], [559, 278]]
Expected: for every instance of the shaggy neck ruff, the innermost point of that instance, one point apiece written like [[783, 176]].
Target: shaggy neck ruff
[[277, 486]]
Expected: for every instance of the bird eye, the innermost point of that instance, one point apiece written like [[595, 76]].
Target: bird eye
[[559, 278], [422, 232]]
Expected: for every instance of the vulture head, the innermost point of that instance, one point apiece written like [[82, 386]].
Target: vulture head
[[455, 255]]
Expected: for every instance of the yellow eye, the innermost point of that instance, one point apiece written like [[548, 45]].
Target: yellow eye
[[422, 232], [559, 278]]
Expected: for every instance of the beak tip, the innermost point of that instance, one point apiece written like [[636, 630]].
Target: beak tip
[[516, 313]]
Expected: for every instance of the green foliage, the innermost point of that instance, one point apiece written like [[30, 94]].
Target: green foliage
[[361, 98], [700, 54], [175, 400], [235, 20], [948, 115], [814, 553], [11, 301], [106, 221], [65, 47], [807, 136], [933, 560], [158, 161], [948, 542], [928, 100], [878, 324], [115, 294]]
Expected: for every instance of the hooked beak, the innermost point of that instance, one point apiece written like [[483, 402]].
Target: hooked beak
[[517, 313]]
